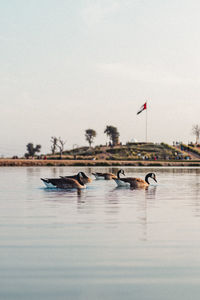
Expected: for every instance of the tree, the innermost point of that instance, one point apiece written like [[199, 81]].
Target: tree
[[113, 134], [60, 145], [54, 141], [90, 134], [196, 132], [31, 150]]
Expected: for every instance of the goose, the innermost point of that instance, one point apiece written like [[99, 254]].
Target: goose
[[132, 181], [106, 176], [64, 183], [84, 179]]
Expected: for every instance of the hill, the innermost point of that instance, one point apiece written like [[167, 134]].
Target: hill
[[130, 151]]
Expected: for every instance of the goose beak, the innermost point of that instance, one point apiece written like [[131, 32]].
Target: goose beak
[[155, 179]]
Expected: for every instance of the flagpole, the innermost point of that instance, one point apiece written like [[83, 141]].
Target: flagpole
[[146, 122]]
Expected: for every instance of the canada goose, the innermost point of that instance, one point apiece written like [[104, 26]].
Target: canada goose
[[84, 178], [132, 181], [64, 183], [106, 176]]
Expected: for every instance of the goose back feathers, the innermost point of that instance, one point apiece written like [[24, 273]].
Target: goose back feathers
[[84, 178], [104, 176], [66, 182]]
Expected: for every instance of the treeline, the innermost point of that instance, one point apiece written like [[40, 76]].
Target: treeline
[[57, 143]]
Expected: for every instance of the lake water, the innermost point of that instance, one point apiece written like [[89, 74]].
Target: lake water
[[104, 243]]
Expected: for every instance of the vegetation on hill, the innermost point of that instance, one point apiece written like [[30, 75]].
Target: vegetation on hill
[[130, 151], [115, 151], [191, 148]]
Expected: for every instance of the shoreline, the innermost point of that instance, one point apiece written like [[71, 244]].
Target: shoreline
[[92, 163]]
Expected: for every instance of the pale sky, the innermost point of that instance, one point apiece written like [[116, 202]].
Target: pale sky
[[70, 65]]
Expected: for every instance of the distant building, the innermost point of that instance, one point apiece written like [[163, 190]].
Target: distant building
[[133, 140]]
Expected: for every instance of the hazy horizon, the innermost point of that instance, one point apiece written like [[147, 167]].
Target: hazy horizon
[[67, 66]]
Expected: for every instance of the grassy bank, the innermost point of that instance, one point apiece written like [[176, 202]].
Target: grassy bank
[[46, 163]]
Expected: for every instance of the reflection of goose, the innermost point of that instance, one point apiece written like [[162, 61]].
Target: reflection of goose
[[132, 181], [106, 176], [84, 178], [64, 183]]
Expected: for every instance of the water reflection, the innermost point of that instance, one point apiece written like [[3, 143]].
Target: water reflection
[[138, 243], [150, 192], [142, 219]]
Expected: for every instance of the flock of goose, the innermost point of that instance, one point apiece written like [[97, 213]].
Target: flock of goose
[[80, 180]]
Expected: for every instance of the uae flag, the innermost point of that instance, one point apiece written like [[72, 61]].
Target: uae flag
[[143, 107]]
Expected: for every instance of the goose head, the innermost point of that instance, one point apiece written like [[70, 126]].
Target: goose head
[[85, 178], [82, 174], [150, 175], [79, 178], [120, 172]]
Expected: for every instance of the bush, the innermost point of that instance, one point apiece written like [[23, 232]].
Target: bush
[[49, 165], [191, 149]]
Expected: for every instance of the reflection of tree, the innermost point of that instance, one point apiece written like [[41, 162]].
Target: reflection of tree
[[54, 171], [30, 170], [33, 171]]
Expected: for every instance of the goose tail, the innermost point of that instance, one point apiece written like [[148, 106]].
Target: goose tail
[[95, 175], [48, 184]]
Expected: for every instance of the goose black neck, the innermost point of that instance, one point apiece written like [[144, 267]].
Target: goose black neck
[[82, 174], [79, 179], [119, 172], [147, 178]]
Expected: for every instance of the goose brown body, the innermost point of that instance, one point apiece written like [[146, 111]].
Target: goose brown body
[[70, 183], [134, 182], [84, 178], [65, 182], [106, 176]]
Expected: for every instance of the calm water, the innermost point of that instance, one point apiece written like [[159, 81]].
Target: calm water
[[105, 243]]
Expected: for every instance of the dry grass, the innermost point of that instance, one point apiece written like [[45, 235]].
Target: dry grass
[[38, 162]]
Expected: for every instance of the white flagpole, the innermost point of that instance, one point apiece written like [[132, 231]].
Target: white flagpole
[[146, 121]]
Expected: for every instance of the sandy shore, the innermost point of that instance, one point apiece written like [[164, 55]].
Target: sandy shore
[[38, 162]]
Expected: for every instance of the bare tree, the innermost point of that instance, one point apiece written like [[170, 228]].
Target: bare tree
[[54, 141], [196, 132], [60, 145]]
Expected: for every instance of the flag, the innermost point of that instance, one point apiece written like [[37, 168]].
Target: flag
[[143, 107]]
